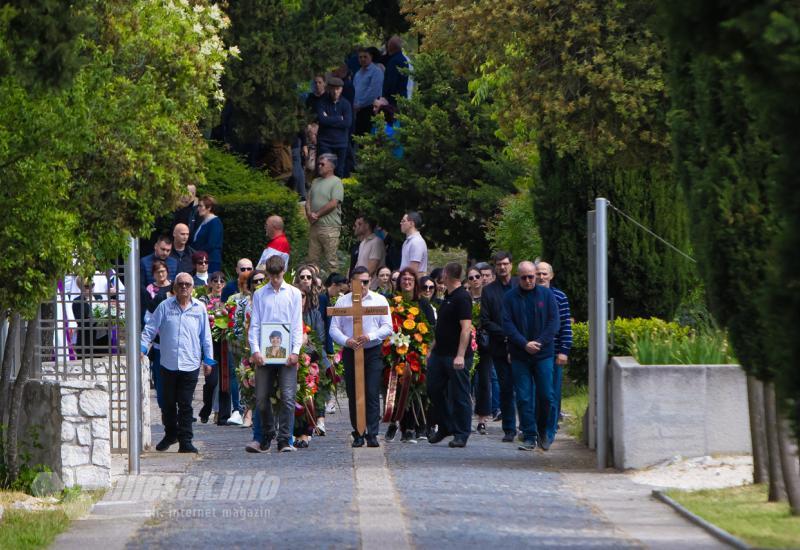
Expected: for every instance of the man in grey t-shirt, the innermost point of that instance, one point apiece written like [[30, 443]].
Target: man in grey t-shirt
[[415, 250]]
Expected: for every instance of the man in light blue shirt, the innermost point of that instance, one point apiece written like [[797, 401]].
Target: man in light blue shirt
[[185, 335], [368, 82], [276, 303], [375, 328]]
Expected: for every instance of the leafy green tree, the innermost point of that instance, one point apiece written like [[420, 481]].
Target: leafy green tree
[[584, 80], [100, 155], [283, 45], [514, 228], [452, 168]]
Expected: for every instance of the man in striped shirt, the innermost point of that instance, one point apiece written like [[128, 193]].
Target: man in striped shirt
[[563, 341]]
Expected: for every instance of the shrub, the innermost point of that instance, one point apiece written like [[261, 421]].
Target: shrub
[[243, 218], [705, 347], [246, 198], [623, 334]]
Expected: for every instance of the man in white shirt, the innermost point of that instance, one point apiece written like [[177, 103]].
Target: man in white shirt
[[415, 250], [376, 328], [276, 302]]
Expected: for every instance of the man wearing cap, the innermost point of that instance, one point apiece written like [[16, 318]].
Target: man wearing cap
[[335, 116]]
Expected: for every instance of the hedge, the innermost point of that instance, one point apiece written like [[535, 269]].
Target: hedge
[[246, 197], [624, 330]]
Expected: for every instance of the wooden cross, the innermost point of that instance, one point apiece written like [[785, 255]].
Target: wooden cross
[[357, 312]]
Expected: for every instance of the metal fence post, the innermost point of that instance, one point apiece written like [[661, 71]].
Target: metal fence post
[[599, 328], [133, 379]]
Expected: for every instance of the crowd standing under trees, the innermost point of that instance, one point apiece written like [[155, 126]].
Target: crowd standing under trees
[[556, 103]]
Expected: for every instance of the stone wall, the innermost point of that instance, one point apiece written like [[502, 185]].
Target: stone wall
[[659, 411], [112, 372], [65, 425]]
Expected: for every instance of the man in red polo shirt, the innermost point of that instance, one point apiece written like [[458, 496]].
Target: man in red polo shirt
[[278, 244]]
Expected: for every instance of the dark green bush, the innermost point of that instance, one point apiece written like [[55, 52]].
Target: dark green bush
[[243, 218], [246, 198]]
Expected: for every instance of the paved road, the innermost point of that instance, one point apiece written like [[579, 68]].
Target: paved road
[[399, 496]]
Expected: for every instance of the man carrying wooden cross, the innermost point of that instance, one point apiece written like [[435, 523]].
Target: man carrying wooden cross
[[360, 323]]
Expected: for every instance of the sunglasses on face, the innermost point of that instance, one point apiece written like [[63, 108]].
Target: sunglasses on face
[[305, 277], [184, 285], [258, 281], [474, 277], [201, 262], [429, 287], [527, 277], [364, 281], [243, 269]]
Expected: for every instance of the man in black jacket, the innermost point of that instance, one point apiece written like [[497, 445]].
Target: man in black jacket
[[492, 322]]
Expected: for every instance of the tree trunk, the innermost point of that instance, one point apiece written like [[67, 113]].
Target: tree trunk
[[777, 491], [5, 370], [26, 365], [789, 465], [758, 436]]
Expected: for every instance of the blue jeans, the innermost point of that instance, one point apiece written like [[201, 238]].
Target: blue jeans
[[533, 385], [155, 372], [555, 409], [495, 391]]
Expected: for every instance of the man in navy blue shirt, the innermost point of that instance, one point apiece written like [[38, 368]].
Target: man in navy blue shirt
[[530, 321], [335, 117]]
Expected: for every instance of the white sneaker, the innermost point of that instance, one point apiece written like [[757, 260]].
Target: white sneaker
[[330, 409], [235, 419]]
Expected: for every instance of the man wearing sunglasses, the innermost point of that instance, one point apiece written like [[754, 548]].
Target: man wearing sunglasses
[[530, 321], [244, 265], [375, 329], [181, 323]]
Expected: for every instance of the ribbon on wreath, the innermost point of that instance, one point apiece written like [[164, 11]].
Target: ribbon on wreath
[[396, 396], [224, 368]]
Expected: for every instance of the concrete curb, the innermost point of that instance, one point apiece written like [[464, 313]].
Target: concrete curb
[[720, 534]]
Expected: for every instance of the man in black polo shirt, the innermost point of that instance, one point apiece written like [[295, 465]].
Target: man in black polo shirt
[[448, 379]]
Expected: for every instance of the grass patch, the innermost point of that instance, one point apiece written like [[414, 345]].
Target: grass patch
[[745, 513], [34, 529], [573, 403], [439, 257]]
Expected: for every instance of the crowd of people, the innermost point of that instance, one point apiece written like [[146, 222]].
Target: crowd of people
[[499, 341]]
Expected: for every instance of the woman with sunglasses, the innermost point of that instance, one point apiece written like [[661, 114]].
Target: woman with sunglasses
[[385, 287], [427, 290], [411, 424], [213, 299], [200, 274], [482, 383]]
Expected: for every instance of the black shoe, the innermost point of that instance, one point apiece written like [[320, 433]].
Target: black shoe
[[372, 441], [421, 434], [204, 419], [482, 428], [285, 447], [391, 432], [408, 437], [358, 440], [194, 419], [457, 442], [187, 447], [509, 437], [265, 445], [497, 417], [301, 444], [438, 436], [527, 445], [544, 443], [166, 443]]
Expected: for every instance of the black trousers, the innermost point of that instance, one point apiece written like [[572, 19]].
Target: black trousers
[[508, 406], [448, 389], [178, 390], [210, 386], [373, 372], [483, 388]]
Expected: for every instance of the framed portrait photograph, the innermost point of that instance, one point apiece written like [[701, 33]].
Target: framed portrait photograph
[[276, 343]]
